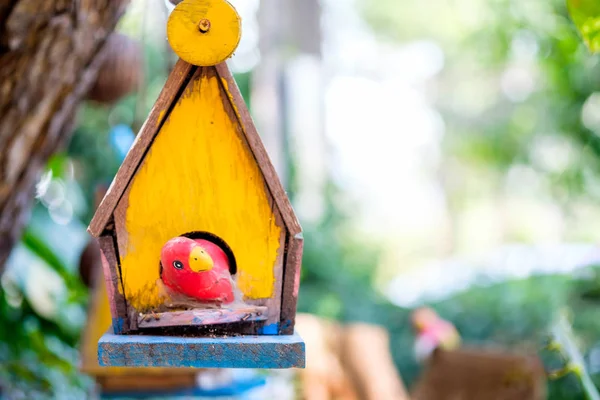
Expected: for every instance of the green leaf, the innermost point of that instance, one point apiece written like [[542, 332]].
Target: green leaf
[[586, 15], [57, 164]]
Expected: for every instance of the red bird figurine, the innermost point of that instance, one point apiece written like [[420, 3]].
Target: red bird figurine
[[198, 269]]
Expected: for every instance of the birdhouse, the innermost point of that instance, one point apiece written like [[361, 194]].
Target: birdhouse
[[201, 247]]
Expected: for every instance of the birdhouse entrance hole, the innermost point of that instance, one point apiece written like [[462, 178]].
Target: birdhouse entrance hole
[[198, 314], [219, 242]]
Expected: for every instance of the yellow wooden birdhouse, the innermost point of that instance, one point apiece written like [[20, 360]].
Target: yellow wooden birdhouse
[[198, 236]]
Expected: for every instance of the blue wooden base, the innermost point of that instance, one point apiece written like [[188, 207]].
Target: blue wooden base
[[267, 351]]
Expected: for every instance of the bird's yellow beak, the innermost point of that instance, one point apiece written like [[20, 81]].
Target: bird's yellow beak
[[200, 261]]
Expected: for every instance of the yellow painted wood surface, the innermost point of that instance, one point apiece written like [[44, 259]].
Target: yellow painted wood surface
[[198, 175], [204, 48]]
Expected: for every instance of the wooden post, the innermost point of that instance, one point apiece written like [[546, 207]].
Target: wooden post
[[366, 355], [481, 374]]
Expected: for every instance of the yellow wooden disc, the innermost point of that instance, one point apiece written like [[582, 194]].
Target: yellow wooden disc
[[204, 32]]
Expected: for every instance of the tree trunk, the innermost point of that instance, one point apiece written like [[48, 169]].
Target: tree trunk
[[50, 52]]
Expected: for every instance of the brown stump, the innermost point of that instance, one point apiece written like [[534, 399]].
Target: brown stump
[[477, 375]]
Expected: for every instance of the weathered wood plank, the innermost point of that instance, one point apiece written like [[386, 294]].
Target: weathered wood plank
[[291, 284], [271, 352], [202, 317], [271, 325], [118, 306]]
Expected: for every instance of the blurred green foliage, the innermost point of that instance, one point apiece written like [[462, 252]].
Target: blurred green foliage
[[516, 315], [517, 87], [586, 15], [41, 314]]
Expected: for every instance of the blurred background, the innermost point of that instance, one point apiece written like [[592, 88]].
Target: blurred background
[[441, 153]]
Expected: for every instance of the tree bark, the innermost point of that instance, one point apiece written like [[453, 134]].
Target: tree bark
[[50, 52]]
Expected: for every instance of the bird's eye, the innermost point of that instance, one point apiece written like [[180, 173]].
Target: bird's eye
[[178, 264]]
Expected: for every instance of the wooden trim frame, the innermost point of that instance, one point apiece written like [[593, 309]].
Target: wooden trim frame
[[110, 267], [103, 224], [291, 284]]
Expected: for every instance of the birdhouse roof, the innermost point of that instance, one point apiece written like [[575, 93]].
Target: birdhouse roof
[[176, 83]]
